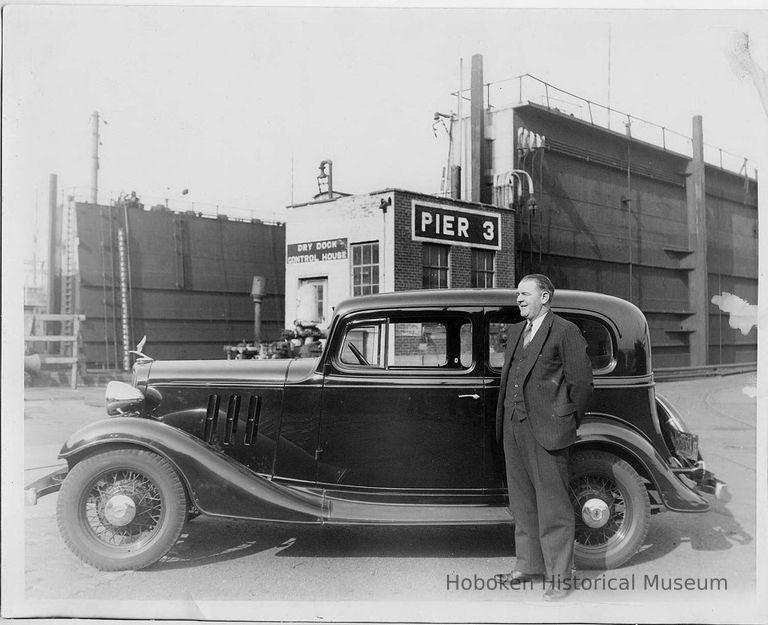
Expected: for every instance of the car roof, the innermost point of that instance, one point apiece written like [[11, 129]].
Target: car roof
[[421, 298]]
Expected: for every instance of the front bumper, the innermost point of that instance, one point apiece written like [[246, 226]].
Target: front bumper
[[46, 485]]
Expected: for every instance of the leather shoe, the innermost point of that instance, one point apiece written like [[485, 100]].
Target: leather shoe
[[555, 594], [519, 577]]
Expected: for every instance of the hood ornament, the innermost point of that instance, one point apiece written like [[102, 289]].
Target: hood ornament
[[142, 357]]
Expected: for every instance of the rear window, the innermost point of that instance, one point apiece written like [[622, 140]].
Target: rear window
[[598, 336], [599, 342]]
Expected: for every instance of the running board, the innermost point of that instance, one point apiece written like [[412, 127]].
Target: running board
[[343, 511]]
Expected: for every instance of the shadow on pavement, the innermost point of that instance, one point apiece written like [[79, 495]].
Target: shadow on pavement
[[207, 541], [716, 530]]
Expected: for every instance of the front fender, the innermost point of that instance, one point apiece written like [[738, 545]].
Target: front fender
[[606, 432], [217, 484]]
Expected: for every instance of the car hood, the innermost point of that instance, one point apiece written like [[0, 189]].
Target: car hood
[[228, 371]]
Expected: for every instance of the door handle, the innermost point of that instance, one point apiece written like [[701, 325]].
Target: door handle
[[473, 396]]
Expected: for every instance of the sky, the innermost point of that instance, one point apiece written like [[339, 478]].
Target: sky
[[240, 104]]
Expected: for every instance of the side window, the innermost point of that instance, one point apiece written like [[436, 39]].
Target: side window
[[420, 344], [599, 343], [466, 345], [363, 344], [498, 327], [497, 343], [408, 343]]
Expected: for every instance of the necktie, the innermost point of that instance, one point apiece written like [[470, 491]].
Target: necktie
[[527, 334]]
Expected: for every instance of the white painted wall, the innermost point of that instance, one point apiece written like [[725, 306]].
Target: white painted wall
[[357, 218]]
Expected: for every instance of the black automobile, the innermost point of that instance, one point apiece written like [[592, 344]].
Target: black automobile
[[393, 424]]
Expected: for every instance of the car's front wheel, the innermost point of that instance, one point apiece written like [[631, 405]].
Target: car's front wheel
[[121, 509], [612, 510]]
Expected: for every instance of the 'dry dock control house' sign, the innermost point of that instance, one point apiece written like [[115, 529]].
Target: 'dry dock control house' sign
[[316, 251], [439, 223]]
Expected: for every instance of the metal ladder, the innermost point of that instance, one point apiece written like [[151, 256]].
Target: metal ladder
[[68, 270], [69, 349]]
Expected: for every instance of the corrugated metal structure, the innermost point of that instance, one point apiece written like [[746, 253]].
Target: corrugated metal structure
[[628, 216], [612, 216], [183, 280]]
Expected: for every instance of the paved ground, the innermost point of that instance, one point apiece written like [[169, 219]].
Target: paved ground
[[217, 565]]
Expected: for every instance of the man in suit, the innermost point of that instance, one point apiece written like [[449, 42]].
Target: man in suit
[[546, 382]]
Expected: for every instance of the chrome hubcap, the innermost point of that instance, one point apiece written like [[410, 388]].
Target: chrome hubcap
[[120, 510], [595, 513]]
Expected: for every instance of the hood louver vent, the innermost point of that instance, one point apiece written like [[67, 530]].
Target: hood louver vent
[[211, 417], [252, 425], [232, 418]]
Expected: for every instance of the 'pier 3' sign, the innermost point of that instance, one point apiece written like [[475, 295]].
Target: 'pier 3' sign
[[455, 226]]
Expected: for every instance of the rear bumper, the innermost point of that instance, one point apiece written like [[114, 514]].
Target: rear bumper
[[46, 485], [700, 479], [706, 482]]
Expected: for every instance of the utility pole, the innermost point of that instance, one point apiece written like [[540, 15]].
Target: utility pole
[[95, 156], [696, 200], [477, 142], [54, 248]]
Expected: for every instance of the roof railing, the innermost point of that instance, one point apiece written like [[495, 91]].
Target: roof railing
[[529, 88]]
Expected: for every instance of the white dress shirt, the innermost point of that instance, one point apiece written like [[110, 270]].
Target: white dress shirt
[[536, 324]]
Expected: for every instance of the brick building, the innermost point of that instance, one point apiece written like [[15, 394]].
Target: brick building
[[391, 240]]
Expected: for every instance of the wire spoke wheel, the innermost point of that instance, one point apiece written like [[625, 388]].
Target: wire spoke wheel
[[585, 493], [122, 509], [611, 508]]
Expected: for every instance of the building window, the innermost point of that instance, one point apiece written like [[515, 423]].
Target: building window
[[482, 268], [365, 268], [435, 266]]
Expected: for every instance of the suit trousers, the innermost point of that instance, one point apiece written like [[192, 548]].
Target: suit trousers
[[539, 500]]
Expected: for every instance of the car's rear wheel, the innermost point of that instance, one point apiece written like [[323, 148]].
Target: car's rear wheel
[[612, 509], [121, 509]]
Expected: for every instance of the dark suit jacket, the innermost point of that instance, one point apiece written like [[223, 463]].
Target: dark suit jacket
[[558, 382]]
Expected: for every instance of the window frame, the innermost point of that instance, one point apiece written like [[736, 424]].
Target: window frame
[[387, 319], [352, 325], [474, 271], [424, 266], [352, 266]]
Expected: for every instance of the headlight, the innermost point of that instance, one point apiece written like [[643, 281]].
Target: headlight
[[122, 398]]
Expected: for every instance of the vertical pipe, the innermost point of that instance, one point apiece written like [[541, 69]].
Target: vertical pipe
[[383, 251], [478, 128], [121, 248], [258, 288], [54, 246], [697, 235], [460, 150], [609, 76], [629, 205], [95, 161]]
